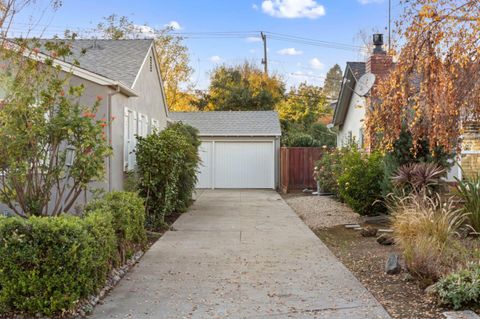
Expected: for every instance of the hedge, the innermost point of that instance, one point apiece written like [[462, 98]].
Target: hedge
[[167, 164], [49, 263], [128, 213]]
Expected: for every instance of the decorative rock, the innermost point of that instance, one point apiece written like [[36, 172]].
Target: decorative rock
[[467, 314], [381, 230], [392, 266], [369, 232], [385, 239], [352, 226]]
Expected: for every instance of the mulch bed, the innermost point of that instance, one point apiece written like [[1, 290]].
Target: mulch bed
[[401, 295]]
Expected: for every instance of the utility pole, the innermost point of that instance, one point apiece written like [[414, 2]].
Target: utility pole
[[264, 60]]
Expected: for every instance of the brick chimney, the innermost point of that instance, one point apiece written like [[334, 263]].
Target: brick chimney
[[379, 62]]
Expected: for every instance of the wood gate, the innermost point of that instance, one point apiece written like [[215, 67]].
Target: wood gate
[[296, 167]]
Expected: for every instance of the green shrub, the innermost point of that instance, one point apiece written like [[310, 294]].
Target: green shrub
[[167, 167], [402, 154], [469, 192], [128, 212], [359, 182], [329, 169], [299, 139], [461, 289], [323, 135], [49, 263]]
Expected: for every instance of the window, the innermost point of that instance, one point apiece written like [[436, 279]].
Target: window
[[142, 125], [130, 141], [155, 125], [361, 139]]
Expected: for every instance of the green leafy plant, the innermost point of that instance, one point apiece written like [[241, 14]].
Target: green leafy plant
[[167, 168], [359, 182], [128, 213], [328, 170], [42, 121], [403, 154], [49, 264], [469, 191], [461, 289], [299, 139]]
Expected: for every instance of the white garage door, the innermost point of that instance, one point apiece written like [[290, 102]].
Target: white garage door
[[237, 165]]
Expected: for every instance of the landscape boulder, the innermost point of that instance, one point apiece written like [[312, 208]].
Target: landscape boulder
[[385, 239], [392, 266]]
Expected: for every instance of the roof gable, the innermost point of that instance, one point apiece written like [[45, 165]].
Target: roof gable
[[232, 123], [353, 72], [119, 60]]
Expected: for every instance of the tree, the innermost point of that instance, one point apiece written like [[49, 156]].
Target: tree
[[172, 54], [117, 28], [242, 88], [303, 106], [435, 86], [174, 61], [333, 82], [10, 8], [51, 143]]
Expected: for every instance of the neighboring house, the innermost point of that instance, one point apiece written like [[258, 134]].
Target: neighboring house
[[126, 75], [239, 149], [350, 108], [350, 113]]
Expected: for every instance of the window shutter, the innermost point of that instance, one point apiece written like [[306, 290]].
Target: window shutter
[[145, 125], [126, 138], [134, 132]]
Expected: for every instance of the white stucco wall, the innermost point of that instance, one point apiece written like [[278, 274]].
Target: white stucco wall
[[353, 121]]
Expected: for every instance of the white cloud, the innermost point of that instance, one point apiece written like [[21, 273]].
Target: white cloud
[[253, 39], [215, 58], [143, 31], [254, 6], [370, 1], [316, 64], [293, 8], [290, 51], [174, 25]]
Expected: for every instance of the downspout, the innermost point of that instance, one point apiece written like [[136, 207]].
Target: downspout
[[109, 121]]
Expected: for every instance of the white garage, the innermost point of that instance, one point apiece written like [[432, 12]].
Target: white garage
[[239, 149]]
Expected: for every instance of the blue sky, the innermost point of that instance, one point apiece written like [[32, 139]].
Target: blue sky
[[337, 21]]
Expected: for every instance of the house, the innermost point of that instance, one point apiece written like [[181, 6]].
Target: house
[[125, 74], [351, 108], [239, 149]]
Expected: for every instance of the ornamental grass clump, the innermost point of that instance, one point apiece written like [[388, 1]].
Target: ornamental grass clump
[[426, 229]]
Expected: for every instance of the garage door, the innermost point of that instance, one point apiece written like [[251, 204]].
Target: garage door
[[237, 165]]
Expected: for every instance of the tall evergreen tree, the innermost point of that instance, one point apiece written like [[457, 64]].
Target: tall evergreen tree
[[333, 82]]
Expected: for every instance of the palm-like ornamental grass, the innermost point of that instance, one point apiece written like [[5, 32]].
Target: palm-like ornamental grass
[[469, 191]]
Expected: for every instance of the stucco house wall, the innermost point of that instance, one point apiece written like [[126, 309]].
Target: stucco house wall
[[352, 128]]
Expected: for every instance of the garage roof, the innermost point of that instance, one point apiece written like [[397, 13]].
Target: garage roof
[[232, 123]]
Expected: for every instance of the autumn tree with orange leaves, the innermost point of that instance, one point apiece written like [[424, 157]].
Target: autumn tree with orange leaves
[[434, 88]]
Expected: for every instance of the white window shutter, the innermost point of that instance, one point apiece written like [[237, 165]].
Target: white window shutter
[[126, 138], [134, 132], [145, 123]]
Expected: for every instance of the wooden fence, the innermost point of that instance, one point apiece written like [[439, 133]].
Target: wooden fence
[[296, 167]]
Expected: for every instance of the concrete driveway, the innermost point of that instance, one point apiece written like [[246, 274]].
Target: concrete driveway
[[240, 254]]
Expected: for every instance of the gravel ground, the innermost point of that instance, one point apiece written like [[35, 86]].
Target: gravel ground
[[320, 212]]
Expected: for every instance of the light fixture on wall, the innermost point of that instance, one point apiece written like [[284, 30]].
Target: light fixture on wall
[[69, 156]]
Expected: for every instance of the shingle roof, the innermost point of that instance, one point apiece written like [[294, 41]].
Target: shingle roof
[[358, 68], [232, 123], [118, 60]]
